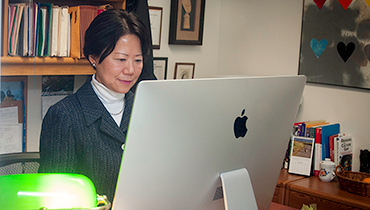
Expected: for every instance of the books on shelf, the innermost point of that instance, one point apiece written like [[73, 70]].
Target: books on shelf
[[81, 17], [14, 24], [44, 29], [328, 142], [326, 131]]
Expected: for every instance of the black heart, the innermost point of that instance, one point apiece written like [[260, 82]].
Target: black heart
[[345, 51]]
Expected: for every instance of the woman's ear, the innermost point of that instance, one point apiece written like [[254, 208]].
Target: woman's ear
[[93, 60]]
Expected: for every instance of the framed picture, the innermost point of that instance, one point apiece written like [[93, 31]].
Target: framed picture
[[160, 67], [186, 22], [155, 14], [184, 70], [335, 43]]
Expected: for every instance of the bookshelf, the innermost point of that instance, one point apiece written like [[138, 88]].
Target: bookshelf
[[26, 66]]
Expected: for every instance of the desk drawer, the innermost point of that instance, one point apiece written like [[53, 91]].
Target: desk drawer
[[296, 200]]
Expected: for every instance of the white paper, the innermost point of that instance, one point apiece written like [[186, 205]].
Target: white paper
[[11, 138], [48, 101], [9, 115]]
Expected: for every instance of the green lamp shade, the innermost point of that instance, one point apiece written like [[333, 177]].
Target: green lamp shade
[[52, 191]]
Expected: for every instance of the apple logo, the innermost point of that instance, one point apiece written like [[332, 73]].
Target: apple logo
[[240, 128]]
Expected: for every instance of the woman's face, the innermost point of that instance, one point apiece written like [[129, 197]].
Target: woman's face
[[120, 70]]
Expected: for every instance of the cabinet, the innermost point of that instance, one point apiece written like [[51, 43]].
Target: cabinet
[[294, 191], [284, 179], [327, 195], [17, 66]]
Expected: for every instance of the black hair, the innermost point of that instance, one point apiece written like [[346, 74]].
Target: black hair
[[105, 30]]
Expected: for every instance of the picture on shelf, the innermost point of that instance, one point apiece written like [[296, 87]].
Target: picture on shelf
[[301, 155]]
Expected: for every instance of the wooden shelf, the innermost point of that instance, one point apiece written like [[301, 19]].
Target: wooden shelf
[[26, 66]]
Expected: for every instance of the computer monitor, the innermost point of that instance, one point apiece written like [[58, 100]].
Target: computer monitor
[[184, 134]]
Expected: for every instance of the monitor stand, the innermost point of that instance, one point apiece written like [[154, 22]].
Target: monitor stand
[[238, 190]]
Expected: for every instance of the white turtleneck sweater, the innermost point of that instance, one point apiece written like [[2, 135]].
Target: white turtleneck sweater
[[113, 102]]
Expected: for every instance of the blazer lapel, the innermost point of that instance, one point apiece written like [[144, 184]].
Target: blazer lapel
[[93, 110]]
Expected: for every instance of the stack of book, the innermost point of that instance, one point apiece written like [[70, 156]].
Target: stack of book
[[325, 140], [45, 29]]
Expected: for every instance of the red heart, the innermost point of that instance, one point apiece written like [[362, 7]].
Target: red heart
[[345, 3], [319, 3]]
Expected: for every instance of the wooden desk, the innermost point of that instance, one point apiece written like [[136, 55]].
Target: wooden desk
[[327, 195], [284, 179], [276, 206]]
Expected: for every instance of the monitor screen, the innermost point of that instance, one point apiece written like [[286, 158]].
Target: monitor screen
[[184, 134]]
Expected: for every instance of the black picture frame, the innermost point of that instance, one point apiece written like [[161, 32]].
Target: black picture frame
[[160, 67], [185, 31], [156, 14], [184, 71]]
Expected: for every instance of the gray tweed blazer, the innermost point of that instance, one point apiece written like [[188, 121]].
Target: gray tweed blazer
[[79, 136]]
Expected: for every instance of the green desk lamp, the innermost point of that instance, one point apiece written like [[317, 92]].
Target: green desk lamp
[[48, 191]]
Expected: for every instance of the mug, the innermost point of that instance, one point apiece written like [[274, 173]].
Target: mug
[[327, 170]]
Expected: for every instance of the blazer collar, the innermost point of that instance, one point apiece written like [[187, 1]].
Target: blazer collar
[[93, 109]]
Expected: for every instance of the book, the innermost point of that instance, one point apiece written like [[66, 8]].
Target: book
[[48, 19], [87, 15], [11, 20], [335, 151], [23, 41], [317, 152], [18, 25], [54, 33], [345, 149], [31, 28], [331, 146], [301, 155], [64, 21], [326, 131], [75, 32], [36, 15], [16, 13], [312, 125], [41, 34]]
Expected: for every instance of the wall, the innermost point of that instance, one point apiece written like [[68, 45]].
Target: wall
[[265, 40], [205, 56], [251, 37]]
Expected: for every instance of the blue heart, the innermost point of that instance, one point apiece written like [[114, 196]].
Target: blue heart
[[318, 47]]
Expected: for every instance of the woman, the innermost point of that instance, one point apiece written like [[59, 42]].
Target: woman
[[85, 132]]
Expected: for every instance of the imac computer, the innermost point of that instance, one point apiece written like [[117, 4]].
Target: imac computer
[[202, 144]]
